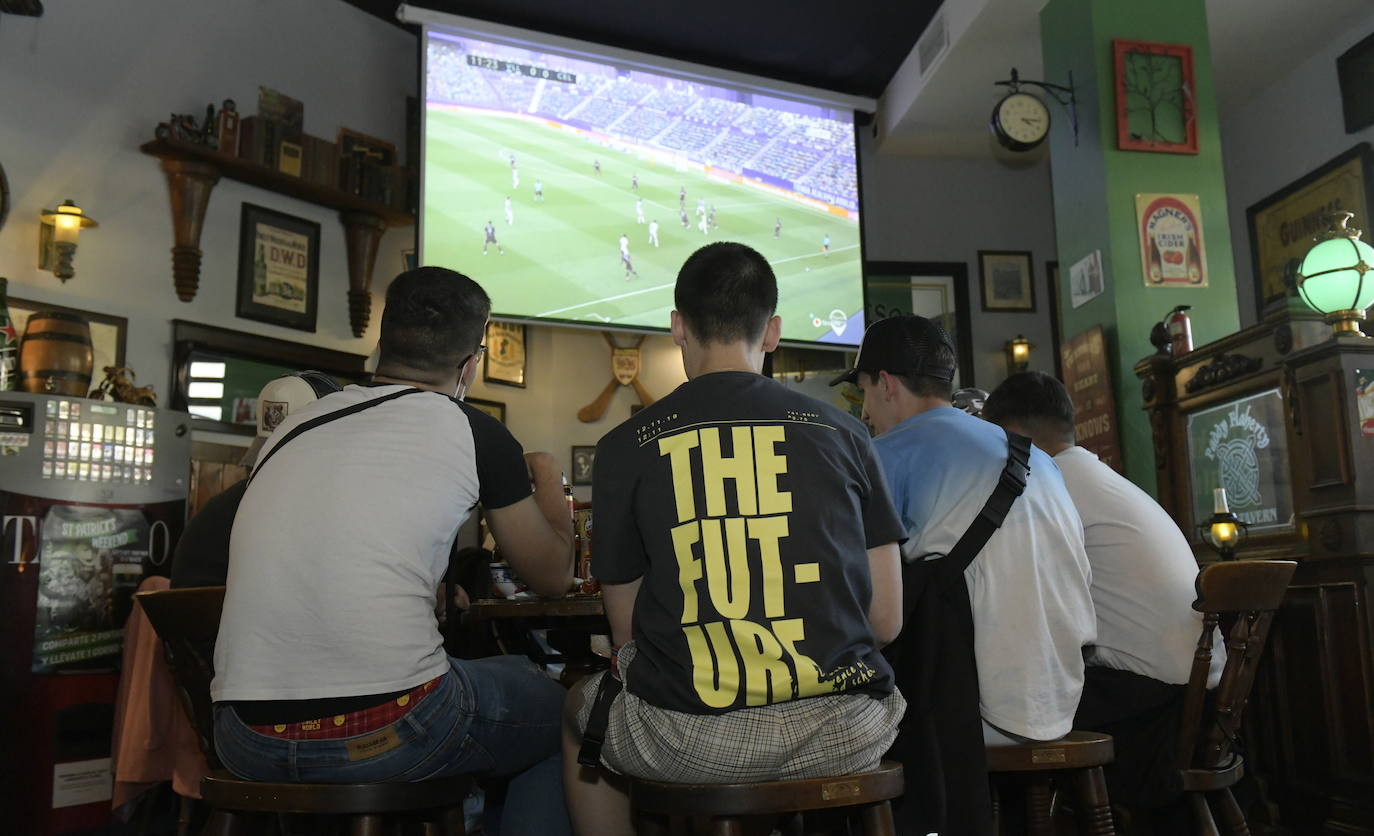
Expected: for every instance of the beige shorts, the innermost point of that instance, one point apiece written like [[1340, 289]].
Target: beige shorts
[[814, 737]]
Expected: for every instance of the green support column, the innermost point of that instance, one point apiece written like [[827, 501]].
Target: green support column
[[1095, 187]]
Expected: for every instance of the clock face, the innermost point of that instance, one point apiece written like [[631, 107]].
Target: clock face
[[1023, 119]]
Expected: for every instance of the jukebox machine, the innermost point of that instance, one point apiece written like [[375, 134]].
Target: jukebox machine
[[92, 499]]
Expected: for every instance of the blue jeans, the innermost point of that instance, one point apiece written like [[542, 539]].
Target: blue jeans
[[498, 716]]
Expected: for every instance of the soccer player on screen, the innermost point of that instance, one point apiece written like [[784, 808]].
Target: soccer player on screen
[[538, 190], [825, 244], [639, 210], [682, 213], [777, 227], [510, 212], [653, 232], [514, 174], [596, 166], [491, 239], [682, 198], [634, 182], [711, 216], [625, 257], [701, 206], [701, 225]]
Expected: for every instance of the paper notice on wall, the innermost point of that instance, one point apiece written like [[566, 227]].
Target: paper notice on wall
[[1364, 400], [81, 782]]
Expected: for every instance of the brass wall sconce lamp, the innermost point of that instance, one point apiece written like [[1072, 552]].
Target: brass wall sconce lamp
[[57, 238], [1018, 354]]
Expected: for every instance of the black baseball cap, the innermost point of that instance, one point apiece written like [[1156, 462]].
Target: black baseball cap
[[902, 345]]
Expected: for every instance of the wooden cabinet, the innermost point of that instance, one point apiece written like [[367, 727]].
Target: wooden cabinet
[[1310, 723]]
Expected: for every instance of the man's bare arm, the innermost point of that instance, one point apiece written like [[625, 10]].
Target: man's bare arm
[[536, 534], [619, 601], [885, 610]]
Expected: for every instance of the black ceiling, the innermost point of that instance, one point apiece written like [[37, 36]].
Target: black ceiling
[[849, 47]]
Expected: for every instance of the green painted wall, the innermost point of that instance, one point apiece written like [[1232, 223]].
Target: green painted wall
[[1095, 187]]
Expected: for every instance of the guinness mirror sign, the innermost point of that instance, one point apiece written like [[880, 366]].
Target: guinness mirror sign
[[1242, 446]]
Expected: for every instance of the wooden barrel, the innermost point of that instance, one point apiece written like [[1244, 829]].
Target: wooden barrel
[[56, 356]]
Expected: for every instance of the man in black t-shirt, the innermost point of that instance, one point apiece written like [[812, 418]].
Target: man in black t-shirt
[[747, 551]]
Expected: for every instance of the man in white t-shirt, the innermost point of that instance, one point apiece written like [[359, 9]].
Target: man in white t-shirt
[[1028, 587], [1143, 587], [329, 663]]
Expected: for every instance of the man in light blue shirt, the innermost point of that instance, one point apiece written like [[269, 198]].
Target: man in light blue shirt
[[1028, 588]]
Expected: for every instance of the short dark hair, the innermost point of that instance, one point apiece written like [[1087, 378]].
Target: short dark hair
[[726, 292], [938, 355], [434, 318], [1036, 401]]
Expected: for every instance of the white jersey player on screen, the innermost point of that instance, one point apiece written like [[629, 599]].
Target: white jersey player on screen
[[639, 210], [653, 233], [701, 206], [510, 212], [701, 225], [625, 257]]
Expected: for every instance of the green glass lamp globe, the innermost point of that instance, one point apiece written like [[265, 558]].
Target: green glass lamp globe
[[1337, 276]]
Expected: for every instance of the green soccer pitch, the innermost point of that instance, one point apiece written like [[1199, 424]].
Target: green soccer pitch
[[562, 255]]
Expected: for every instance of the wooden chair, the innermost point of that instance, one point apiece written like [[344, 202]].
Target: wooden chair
[[728, 806], [1077, 759], [187, 621], [1250, 591]]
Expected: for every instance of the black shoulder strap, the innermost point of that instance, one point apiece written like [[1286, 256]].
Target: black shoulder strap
[[1010, 485], [325, 419]]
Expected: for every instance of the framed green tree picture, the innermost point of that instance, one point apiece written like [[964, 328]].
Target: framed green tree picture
[[1155, 106]]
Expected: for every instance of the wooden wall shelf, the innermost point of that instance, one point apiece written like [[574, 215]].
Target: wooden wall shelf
[[192, 172]]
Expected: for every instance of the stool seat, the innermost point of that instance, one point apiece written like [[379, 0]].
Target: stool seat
[[1077, 750], [223, 791], [726, 803]]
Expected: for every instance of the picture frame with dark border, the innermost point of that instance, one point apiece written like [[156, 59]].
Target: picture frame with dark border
[[582, 461], [296, 282], [1281, 225], [505, 359], [495, 409], [109, 333], [1126, 56], [1354, 69], [877, 273], [1005, 291]]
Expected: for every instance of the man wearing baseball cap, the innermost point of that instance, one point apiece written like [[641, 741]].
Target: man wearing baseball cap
[[202, 553], [1027, 587]]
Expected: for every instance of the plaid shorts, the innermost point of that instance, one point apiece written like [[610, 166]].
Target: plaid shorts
[[816, 737]]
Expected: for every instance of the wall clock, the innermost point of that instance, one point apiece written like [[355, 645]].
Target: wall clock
[[1155, 107], [1020, 121]]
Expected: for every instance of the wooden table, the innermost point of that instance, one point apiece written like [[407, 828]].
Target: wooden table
[[578, 618]]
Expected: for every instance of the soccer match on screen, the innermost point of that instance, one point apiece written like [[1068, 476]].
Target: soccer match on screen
[[574, 189]]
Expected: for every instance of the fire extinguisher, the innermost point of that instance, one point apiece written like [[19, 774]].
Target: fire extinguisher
[[1180, 330]]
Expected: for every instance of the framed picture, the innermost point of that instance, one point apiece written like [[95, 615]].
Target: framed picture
[[495, 409], [582, 458], [279, 268], [1052, 284], [1155, 108], [1085, 279], [1354, 69], [1171, 249], [505, 359], [1007, 280], [1282, 225], [108, 333]]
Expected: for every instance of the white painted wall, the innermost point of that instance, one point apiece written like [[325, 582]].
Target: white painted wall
[[82, 87], [1281, 132], [940, 209]]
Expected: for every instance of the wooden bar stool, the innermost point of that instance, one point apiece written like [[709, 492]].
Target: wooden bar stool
[[1079, 757], [728, 806], [187, 621]]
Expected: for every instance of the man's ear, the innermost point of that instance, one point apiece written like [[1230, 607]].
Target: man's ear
[[679, 330], [890, 385], [772, 334]]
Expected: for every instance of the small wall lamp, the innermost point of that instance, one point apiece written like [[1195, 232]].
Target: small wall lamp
[[1018, 354], [1223, 531], [57, 238], [1335, 277]]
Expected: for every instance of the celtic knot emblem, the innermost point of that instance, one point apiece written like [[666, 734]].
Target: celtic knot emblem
[[1240, 470]]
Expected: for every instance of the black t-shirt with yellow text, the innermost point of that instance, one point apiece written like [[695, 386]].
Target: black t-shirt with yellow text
[[748, 510]]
